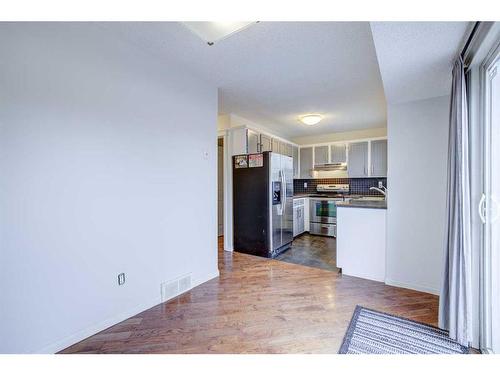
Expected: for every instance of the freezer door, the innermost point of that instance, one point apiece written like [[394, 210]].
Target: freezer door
[[287, 217], [276, 211], [250, 209]]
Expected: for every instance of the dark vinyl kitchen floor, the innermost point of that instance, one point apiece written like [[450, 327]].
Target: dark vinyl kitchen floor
[[312, 251]]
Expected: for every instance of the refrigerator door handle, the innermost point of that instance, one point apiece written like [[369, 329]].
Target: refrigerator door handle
[[481, 208]]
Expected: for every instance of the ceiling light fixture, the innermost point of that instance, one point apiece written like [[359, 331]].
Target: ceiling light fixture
[[312, 119], [212, 32]]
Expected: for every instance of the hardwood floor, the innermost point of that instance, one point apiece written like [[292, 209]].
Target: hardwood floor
[[312, 251], [258, 305]]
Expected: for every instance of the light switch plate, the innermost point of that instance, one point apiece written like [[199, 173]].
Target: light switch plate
[[121, 279]]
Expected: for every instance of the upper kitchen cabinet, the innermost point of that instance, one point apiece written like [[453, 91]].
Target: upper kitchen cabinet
[[338, 153], [295, 155], [289, 150], [266, 143], [358, 159], [253, 142], [320, 155], [247, 141], [276, 146], [284, 149], [306, 162], [379, 158]]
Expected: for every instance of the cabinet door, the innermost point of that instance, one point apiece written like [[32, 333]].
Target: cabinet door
[[295, 155], [265, 143], [295, 221], [253, 142], [276, 146], [320, 155], [358, 159], [284, 148], [306, 160], [300, 219], [338, 153], [379, 158]]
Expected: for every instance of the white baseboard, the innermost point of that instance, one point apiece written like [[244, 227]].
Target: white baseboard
[[96, 328], [417, 287], [202, 280]]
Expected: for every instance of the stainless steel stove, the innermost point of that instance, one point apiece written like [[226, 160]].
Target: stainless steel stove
[[323, 208]]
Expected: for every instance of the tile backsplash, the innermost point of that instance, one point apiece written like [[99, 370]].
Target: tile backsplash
[[356, 185]]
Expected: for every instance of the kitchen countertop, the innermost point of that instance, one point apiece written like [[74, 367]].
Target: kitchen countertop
[[315, 195], [363, 204], [353, 203], [297, 196]]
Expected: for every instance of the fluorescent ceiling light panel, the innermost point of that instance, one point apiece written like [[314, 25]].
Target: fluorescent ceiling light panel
[[212, 32]]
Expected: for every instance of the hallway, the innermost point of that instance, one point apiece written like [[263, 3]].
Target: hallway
[[258, 305]]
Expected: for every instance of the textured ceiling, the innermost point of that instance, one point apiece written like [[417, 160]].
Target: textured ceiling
[[415, 58], [272, 72]]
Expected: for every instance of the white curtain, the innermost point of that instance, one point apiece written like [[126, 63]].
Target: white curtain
[[455, 304]]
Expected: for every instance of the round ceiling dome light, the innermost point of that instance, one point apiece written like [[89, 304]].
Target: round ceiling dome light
[[311, 119]]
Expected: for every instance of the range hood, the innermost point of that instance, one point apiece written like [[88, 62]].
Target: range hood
[[331, 167]]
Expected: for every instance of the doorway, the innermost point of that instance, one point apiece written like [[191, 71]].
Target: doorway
[[220, 186]]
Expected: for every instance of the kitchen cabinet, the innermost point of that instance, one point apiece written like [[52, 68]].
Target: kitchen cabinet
[[379, 158], [295, 156], [285, 149], [298, 216], [253, 142], [370, 246], [338, 153], [306, 162], [266, 143], [320, 155], [358, 159], [276, 146], [247, 141]]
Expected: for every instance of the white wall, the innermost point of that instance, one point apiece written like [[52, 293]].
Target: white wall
[[417, 169], [103, 171]]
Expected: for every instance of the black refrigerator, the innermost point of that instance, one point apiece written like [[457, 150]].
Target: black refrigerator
[[262, 203]]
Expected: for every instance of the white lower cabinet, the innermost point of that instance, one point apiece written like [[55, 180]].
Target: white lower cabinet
[[361, 242], [299, 211]]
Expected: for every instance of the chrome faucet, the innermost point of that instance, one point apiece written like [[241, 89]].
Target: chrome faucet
[[383, 192]]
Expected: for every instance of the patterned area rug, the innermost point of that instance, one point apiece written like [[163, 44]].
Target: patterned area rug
[[373, 332]]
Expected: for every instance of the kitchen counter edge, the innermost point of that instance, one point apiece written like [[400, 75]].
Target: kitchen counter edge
[[382, 205]]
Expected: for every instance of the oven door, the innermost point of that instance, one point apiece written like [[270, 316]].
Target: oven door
[[323, 211]]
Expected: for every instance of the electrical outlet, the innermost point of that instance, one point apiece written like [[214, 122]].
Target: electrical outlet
[[121, 279], [305, 185], [380, 185]]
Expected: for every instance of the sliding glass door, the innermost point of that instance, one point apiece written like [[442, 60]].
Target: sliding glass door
[[489, 206]]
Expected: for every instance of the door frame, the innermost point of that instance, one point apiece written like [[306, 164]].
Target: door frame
[[486, 68]]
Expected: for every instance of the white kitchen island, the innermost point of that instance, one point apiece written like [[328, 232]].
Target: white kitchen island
[[361, 239]]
